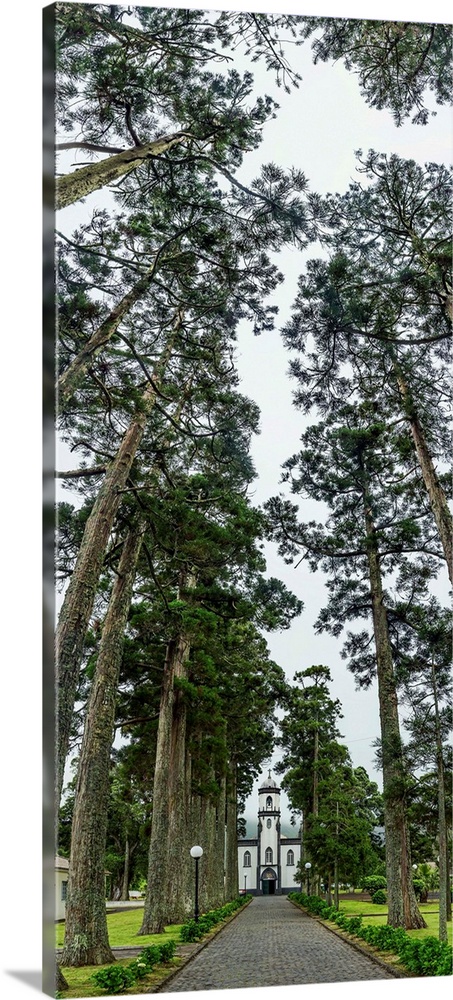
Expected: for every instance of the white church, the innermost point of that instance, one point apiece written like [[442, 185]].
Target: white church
[[267, 863]]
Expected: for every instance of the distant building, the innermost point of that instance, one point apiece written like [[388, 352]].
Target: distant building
[[267, 863], [61, 886]]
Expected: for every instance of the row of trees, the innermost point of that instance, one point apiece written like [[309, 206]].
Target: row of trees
[[371, 325], [166, 597], [159, 633]]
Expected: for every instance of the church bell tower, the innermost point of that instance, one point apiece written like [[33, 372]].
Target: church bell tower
[[269, 861]]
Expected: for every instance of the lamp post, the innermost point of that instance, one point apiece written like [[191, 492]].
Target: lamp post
[[245, 884], [196, 852], [307, 869]]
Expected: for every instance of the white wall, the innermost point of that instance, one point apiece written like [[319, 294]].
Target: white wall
[[249, 872]]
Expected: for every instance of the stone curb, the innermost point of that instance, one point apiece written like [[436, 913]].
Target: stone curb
[[398, 974], [197, 948]]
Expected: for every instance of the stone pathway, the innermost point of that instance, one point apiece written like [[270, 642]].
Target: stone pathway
[[273, 943]]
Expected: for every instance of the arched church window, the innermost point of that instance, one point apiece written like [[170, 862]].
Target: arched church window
[[247, 859], [290, 858], [269, 802], [268, 856], [269, 824]]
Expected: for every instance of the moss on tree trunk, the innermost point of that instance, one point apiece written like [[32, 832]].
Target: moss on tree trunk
[[82, 182], [86, 938], [231, 853], [79, 598], [169, 792], [402, 905], [438, 500]]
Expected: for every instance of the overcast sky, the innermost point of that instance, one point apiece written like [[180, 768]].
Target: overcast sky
[[21, 517]]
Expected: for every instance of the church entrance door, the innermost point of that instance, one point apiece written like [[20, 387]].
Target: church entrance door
[[268, 882]]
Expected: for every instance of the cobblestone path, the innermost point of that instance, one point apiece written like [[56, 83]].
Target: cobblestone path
[[272, 943]]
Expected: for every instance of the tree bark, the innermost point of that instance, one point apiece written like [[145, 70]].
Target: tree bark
[[169, 792], [211, 894], [219, 846], [315, 772], [438, 500], [179, 860], [402, 905], [126, 873], [80, 183], [231, 851], [335, 875], [443, 844], [86, 937], [79, 598]]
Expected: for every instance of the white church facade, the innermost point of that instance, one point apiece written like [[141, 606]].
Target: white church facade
[[267, 863]]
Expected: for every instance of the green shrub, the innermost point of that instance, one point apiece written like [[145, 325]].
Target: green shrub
[[372, 883], [424, 957], [117, 978], [427, 957], [316, 904], [139, 968], [380, 896], [354, 925], [151, 955], [193, 930], [114, 978], [167, 950], [190, 931]]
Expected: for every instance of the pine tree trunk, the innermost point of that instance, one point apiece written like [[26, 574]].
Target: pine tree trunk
[[78, 184], [158, 902], [335, 874], [438, 500], [315, 772], [179, 860], [209, 887], [448, 882], [219, 847], [70, 378], [126, 874], [329, 889], [231, 848], [443, 844], [169, 792], [86, 937], [79, 598], [402, 905]]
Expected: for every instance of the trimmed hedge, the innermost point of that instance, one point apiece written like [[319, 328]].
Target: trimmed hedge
[[372, 883], [193, 930], [117, 978], [424, 957]]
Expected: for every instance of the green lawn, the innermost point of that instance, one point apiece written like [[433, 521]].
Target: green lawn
[[374, 913], [123, 930]]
